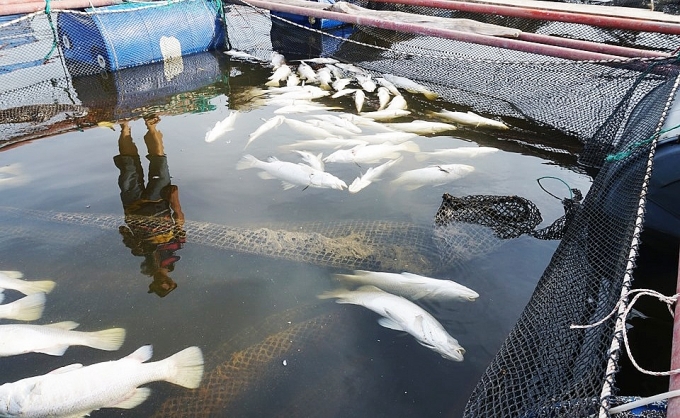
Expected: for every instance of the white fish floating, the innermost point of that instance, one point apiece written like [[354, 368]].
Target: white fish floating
[[326, 143], [266, 126], [401, 314], [350, 68], [292, 80], [434, 175], [76, 390], [410, 86], [241, 55], [338, 121], [291, 174], [313, 160], [359, 98], [54, 339], [303, 106], [365, 122], [11, 279], [304, 93], [343, 92], [340, 83], [386, 114], [332, 129], [222, 127], [277, 59], [462, 152], [371, 175], [383, 97], [471, 119], [366, 82], [320, 60], [389, 86], [325, 77], [398, 102], [28, 308], [411, 286], [308, 129], [371, 153], [306, 72], [280, 74], [393, 137], [422, 127]]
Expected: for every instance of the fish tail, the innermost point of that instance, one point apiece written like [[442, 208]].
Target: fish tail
[[341, 294], [12, 274], [108, 339], [187, 367], [39, 286], [28, 308], [410, 146], [247, 161], [430, 95]]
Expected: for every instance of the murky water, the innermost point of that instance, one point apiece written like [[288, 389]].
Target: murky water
[[230, 303]]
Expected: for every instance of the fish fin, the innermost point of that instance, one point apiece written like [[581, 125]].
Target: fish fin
[[66, 369], [67, 325], [28, 308], [56, 350], [265, 176], [40, 286], [390, 323], [138, 395], [420, 295], [12, 274], [247, 161], [187, 367], [142, 354], [342, 294], [286, 185], [108, 339]]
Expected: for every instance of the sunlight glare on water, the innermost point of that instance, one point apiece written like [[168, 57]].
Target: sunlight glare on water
[[229, 302]]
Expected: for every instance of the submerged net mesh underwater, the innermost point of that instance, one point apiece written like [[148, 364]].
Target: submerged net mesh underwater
[[615, 108]]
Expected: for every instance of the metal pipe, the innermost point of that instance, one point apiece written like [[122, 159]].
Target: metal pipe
[[506, 43], [36, 6], [559, 16], [592, 46], [673, 407]]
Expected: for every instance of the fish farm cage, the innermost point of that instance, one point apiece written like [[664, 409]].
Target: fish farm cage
[[602, 73]]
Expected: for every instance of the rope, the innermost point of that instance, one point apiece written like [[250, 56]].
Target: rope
[[538, 180], [669, 300], [48, 12], [631, 148]]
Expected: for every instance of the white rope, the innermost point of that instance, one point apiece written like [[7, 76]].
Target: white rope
[[669, 300]]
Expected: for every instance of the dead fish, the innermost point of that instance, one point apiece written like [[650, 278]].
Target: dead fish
[[383, 97], [470, 118], [389, 86], [308, 129], [282, 72], [291, 174], [266, 126], [371, 153], [410, 86], [28, 308], [464, 152], [306, 72], [386, 114], [422, 127], [222, 127], [12, 279], [277, 59], [366, 82], [434, 175], [371, 175], [359, 98], [313, 160]]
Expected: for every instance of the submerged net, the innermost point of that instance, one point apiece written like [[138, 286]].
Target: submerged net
[[607, 111]]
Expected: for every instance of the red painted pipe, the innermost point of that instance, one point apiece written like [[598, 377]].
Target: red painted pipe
[[591, 46], [673, 408], [506, 43], [36, 6], [534, 13]]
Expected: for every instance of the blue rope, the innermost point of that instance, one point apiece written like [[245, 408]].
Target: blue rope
[[631, 148], [48, 12], [538, 180]]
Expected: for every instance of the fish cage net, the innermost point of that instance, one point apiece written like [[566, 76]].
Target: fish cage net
[[614, 107]]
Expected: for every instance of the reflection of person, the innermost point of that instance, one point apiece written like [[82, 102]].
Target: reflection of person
[[153, 215]]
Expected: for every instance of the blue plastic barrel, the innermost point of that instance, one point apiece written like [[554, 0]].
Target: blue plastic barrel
[[131, 34]]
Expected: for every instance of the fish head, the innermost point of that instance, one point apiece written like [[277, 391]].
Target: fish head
[[455, 353]]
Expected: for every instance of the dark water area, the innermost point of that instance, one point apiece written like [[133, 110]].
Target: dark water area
[[233, 305]]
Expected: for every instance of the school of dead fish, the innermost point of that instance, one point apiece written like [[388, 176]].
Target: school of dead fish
[[78, 390], [293, 89]]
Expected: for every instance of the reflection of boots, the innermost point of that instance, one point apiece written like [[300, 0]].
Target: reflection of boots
[[153, 137]]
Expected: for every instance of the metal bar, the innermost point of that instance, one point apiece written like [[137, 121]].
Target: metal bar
[[553, 15], [673, 408], [506, 43], [592, 46], [36, 6]]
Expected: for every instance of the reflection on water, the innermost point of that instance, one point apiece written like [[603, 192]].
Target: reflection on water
[[257, 255]]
